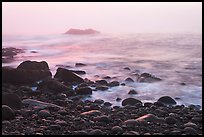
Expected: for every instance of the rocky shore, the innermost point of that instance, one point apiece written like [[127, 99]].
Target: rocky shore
[[36, 103]]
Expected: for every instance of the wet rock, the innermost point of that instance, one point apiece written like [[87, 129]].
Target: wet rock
[[150, 118], [63, 112], [102, 88], [190, 124], [116, 130], [92, 112], [159, 104], [11, 51], [113, 84], [99, 101], [122, 84], [102, 118], [40, 104], [170, 120], [132, 91], [11, 100], [146, 77], [67, 76], [23, 76], [79, 72], [126, 68], [167, 100], [130, 101], [54, 127], [190, 131], [133, 133], [107, 104], [96, 132], [83, 91], [107, 77], [147, 104], [118, 99], [102, 82], [80, 132], [44, 113], [34, 65], [7, 113], [61, 122], [54, 86], [80, 64], [129, 80], [130, 123]]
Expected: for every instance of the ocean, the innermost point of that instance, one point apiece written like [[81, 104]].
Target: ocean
[[175, 58]]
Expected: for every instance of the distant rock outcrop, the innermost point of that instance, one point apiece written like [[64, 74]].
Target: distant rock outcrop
[[82, 32]]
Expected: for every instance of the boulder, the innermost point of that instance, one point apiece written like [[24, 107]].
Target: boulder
[[7, 113], [54, 86], [67, 76], [129, 80], [83, 91], [34, 65], [113, 84], [167, 100], [130, 101], [146, 77], [23, 76], [11, 100]]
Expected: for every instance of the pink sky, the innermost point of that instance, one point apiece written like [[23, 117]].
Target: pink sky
[[21, 18]]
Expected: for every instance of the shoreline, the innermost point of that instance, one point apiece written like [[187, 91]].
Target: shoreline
[[57, 108]]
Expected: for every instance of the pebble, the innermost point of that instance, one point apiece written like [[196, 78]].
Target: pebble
[[54, 127], [190, 131], [190, 124], [129, 80], [44, 113], [7, 113], [96, 132], [116, 130], [107, 104], [130, 123], [102, 118], [132, 91], [170, 120], [130, 101], [99, 101]]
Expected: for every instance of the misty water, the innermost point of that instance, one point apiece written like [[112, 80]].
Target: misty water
[[175, 58]]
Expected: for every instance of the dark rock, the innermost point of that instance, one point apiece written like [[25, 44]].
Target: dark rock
[[107, 104], [10, 51], [102, 118], [129, 80], [79, 72], [11, 100], [23, 76], [99, 101], [102, 82], [132, 91], [54, 86], [61, 122], [167, 100], [91, 113], [80, 132], [34, 65], [54, 127], [130, 123], [147, 104], [150, 118], [82, 32], [146, 77], [133, 133], [67, 76], [44, 113], [122, 84], [126, 68], [83, 91], [63, 112], [190, 131], [159, 104], [107, 77], [7, 113], [80, 64], [116, 130], [190, 124], [118, 99], [113, 84], [102, 88], [130, 101], [170, 120], [96, 132]]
